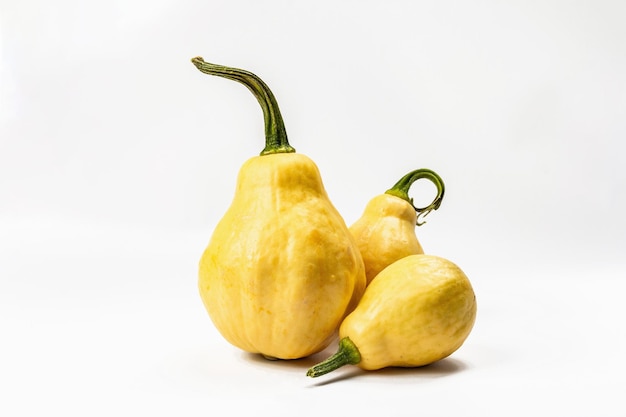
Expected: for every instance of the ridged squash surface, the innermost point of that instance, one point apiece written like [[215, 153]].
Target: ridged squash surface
[[281, 270]]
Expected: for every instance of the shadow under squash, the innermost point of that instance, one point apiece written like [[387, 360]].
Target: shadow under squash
[[302, 364], [442, 368]]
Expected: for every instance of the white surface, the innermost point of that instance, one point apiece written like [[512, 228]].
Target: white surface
[[117, 158]]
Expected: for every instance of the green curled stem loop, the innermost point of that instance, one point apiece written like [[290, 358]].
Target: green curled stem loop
[[275, 133], [401, 189]]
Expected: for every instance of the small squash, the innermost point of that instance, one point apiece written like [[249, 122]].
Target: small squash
[[417, 311], [385, 232]]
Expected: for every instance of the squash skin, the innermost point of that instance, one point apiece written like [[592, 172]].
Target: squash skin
[[385, 233], [417, 311], [281, 270]]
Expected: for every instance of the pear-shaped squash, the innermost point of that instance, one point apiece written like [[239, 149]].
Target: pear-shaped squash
[[417, 311], [281, 269], [385, 232]]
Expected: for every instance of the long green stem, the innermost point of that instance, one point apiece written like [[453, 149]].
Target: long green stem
[[401, 189], [275, 133], [347, 354]]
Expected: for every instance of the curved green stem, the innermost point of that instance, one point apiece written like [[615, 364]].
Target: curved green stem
[[348, 354], [275, 133], [401, 189]]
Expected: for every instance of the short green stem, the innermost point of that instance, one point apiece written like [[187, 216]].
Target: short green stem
[[347, 354], [401, 190], [275, 133]]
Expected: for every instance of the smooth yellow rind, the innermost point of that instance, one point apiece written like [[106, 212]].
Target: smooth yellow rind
[[417, 311]]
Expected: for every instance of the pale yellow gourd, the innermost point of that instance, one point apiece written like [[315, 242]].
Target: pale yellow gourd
[[417, 311], [385, 232], [281, 269]]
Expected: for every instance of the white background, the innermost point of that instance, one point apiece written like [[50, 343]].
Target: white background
[[117, 158]]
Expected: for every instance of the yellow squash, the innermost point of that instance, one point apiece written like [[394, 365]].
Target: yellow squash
[[417, 311], [281, 269], [385, 232]]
